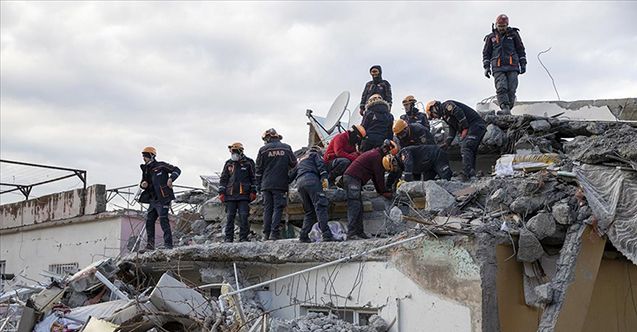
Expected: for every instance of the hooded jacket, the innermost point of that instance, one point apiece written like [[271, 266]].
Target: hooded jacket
[[459, 117], [238, 179], [503, 51], [377, 86], [377, 121], [156, 174], [340, 147], [274, 161], [369, 166]]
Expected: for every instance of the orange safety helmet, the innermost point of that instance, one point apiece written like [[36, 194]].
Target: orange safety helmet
[[399, 126], [409, 99], [359, 130], [236, 146], [433, 109], [390, 147], [150, 149]]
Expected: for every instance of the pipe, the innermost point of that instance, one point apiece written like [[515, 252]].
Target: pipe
[[324, 265], [110, 286]]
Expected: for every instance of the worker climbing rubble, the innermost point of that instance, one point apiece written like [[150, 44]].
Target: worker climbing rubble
[[237, 188], [409, 134], [416, 163], [311, 181], [413, 114], [504, 56], [377, 122], [274, 161], [157, 182], [342, 151], [464, 120], [376, 86], [368, 166]]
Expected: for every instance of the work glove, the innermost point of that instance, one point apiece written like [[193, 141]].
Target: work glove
[[253, 196], [222, 198], [522, 69], [487, 72], [400, 183], [324, 184], [464, 133]]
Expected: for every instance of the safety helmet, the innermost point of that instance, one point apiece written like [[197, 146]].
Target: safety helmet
[[359, 130], [433, 109], [409, 100], [399, 126], [389, 147], [502, 19], [150, 149], [389, 163], [270, 133], [236, 146]]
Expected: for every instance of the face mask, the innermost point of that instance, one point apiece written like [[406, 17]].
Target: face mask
[[235, 157]]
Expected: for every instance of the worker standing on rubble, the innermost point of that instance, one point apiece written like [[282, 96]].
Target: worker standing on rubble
[[464, 120], [504, 55], [376, 86], [417, 163], [413, 114], [409, 134], [342, 151], [237, 188], [157, 182], [368, 166], [274, 161], [311, 180], [377, 122]]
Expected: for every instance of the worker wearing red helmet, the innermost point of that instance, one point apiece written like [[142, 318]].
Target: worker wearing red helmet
[[504, 56]]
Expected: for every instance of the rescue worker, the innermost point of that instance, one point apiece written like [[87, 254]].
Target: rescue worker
[[464, 120], [274, 161], [368, 166], [413, 114], [376, 86], [377, 122], [311, 180], [417, 163], [237, 188], [409, 134], [342, 151], [504, 56], [157, 182]]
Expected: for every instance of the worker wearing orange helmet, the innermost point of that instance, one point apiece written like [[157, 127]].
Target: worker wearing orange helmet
[[462, 120], [504, 56], [237, 188], [342, 151], [408, 134], [157, 182]]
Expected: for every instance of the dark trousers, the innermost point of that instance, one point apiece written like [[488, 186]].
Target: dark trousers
[[469, 148], [315, 205], [371, 142], [243, 207], [274, 201], [353, 189], [337, 167], [506, 83], [441, 167], [155, 210]]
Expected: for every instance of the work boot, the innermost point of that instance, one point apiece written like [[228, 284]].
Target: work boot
[[266, 237], [227, 240], [244, 239], [275, 236], [150, 247], [362, 235], [329, 239], [505, 110], [305, 239]]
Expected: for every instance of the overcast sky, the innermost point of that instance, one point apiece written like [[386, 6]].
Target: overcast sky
[[88, 85]]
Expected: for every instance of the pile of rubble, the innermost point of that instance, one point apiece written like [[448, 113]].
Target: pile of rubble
[[318, 322]]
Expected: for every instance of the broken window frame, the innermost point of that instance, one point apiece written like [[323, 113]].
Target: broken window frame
[[64, 268], [348, 314]]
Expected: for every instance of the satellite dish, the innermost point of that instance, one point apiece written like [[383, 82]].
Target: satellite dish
[[354, 119], [333, 117]]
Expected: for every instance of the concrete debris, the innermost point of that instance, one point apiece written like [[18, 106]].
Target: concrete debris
[[563, 213], [544, 293], [320, 322], [530, 249], [605, 147], [540, 125], [541, 225]]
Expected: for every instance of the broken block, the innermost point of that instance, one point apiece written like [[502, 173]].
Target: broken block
[[542, 225], [530, 248]]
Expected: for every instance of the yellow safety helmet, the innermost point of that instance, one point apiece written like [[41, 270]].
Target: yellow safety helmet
[[150, 149], [433, 109], [389, 163], [399, 126]]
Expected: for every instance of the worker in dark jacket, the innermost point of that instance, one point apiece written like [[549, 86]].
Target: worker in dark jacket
[[411, 134], [376, 86], [274, 161], [464, 120], [413, 114], [157, 182], [377, 122], [237, 188], [417, 163], [311, 181], [504, 55], [342, 151], [368, 166]]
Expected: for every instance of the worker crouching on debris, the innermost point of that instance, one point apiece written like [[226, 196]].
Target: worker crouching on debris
[[311, 180], [157, 182], [464, 120], [504, 55], [237, 188], [409, 134], [368, 166], [274, 161], [377, 122], [413, 114], [416, 163], [377, 86], [342, 151]]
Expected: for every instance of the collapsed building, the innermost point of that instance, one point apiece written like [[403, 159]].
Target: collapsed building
[[545, 240]]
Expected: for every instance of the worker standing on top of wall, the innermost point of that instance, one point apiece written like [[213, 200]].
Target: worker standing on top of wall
[[237, 188], [274, 161], [157, 182], [504, 55], [377, 122], [376, 86], [342, 151]]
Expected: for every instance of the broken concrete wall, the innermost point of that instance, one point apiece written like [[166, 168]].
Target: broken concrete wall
[[58, 206]]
